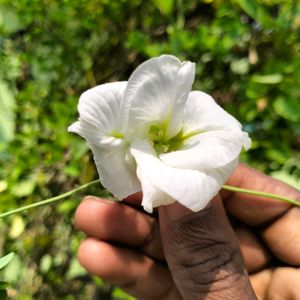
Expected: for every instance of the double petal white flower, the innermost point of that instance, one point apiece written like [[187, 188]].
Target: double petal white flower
[[153, 134]]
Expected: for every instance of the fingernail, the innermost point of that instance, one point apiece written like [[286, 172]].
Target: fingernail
[[94, 198]]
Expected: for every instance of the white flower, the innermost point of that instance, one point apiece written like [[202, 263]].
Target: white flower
[[153, 134]]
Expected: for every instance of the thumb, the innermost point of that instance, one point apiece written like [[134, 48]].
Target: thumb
[[203, 253]]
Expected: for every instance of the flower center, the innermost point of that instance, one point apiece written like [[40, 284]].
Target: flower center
[[160, 142]]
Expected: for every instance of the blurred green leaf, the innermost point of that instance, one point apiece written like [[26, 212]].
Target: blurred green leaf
[[256, 11], [3, 295], [7, 113], [240, 66], [13, 271], [9, 20], [288, 108], [24, 188], [3, 285], [287, 178], [75, 270], [45, 263], [165, 6], [267, 79], [17, 226], [4, 260], [3, 185]]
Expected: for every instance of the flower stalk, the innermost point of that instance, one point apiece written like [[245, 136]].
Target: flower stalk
[[86, 185], [49, 200]]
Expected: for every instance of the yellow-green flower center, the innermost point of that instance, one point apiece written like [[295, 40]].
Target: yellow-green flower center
[[158, 136]]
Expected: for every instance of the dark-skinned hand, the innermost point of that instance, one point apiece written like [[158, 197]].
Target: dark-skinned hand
[[177, 254]]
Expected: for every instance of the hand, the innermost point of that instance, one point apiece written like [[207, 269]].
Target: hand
[[176, 254]]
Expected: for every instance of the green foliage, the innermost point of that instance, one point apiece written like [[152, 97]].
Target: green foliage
[[247, 55], [4, 260]]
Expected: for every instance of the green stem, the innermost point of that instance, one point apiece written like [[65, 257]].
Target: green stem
[[260, 194], [50, 200], [84, 186]]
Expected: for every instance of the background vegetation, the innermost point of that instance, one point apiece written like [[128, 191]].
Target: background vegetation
[[247, 55]]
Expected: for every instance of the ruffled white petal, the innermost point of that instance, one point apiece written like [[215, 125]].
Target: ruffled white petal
[[220, 139], [202, 112], [157, 92], [116, 171], [211, 149], [93, 134], [99, 114], [191, 188], [152, 196]]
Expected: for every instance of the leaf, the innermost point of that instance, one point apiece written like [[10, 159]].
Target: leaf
[[24, 188], [240, 66], [7, 114], [3, 185], [3, 285], [45, 263], [288, 108], [9, 21], [6, 259], [13, 271], [287, 178], [17, 227], [267, 79], [165, 6], [3, 295], [256, 11], [75, 270]]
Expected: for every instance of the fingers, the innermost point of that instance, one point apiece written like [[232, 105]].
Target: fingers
[[279, 283], [203, 254], [255, 210], [260, 283], [283, 238], [111, 221], [284, 284], [134, 272], [281, 222], [134, 199], [255, 254]]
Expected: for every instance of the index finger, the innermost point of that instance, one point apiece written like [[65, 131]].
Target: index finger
[[254, 210]]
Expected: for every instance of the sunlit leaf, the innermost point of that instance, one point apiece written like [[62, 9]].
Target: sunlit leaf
[[256, 11], [3, 185], [288, 107], [6, 259], [287, 178], [17, 227], [267, 79], [75, 269], [240, 66], [24, 188], [9, 20], [165, 6], [7, 114], [45, 263]]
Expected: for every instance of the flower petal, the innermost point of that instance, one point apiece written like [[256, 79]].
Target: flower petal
[[116, 170], [99, 114], [156, 93], [152, 196], [202, 112], [191, 188], [219, 141]]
